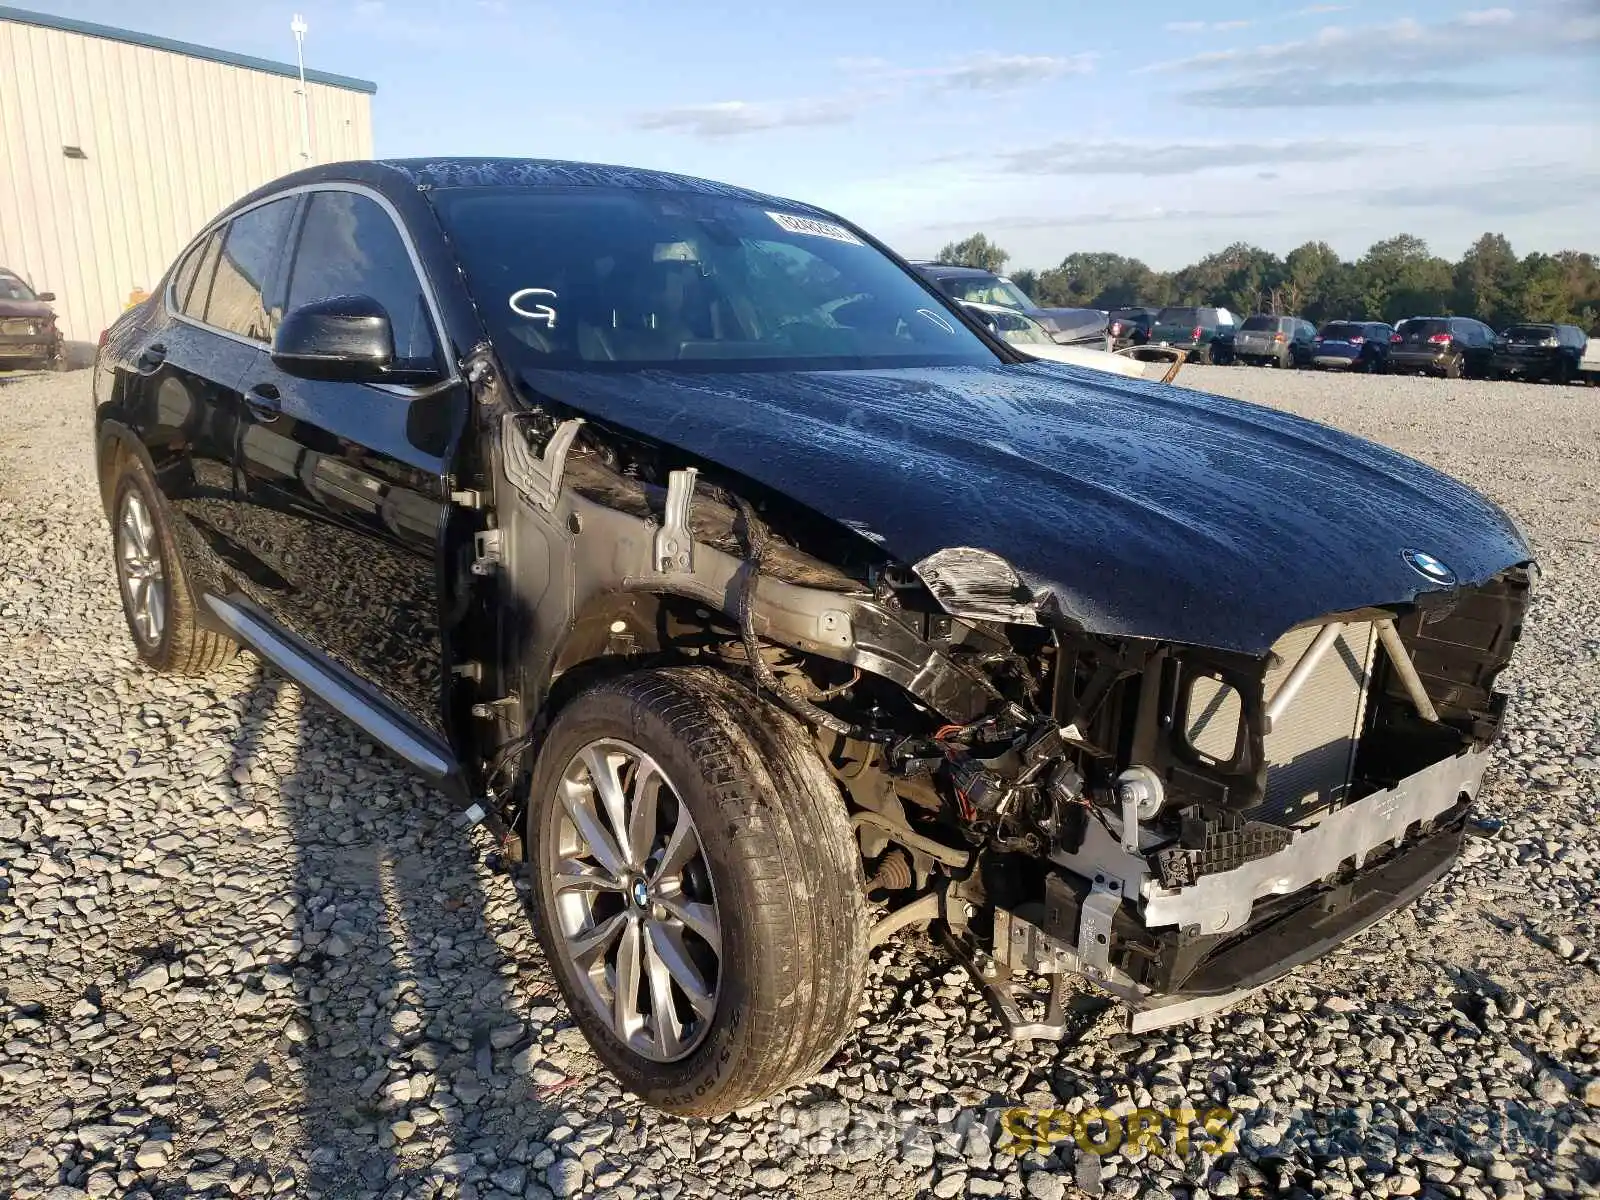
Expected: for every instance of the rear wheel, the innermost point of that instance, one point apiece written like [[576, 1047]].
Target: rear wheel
[[156, 599], [698, 890]]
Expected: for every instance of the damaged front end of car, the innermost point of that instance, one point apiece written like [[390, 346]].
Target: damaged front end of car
[[1180, 825], [1175, 824]]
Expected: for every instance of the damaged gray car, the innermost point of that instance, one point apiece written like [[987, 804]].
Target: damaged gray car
[[766, 605]]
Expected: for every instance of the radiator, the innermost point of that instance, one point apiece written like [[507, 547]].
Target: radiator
[[1311, 750]]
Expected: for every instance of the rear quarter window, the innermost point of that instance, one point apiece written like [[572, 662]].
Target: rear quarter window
[[240, 293], [192, 302]]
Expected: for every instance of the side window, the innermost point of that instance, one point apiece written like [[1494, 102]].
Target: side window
[[349, 246], [193, 284], [240, 292], [183, 277]]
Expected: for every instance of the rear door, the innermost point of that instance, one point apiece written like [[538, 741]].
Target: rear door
[[345, 483], [188, 388]]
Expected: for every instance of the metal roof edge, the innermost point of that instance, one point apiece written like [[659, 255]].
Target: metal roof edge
[[190, 49]]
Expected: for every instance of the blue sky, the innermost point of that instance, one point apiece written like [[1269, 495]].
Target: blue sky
[[1159, 129]]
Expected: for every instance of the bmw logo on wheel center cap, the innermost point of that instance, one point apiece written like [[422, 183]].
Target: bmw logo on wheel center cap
[[641, 893], [1429, 567]]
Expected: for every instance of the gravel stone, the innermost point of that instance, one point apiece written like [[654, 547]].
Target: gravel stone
[[565, 1177]]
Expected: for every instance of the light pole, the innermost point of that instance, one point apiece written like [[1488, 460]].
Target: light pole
[[298, 27]]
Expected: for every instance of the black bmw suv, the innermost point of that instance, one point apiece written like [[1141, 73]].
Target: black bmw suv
[[764, 604]]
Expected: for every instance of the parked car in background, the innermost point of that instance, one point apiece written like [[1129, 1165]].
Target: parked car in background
[[1131, 326], [721, 565], [1269, 339], [1589, 365], [1535, 351], [1447, 346], [1352, 345], [1069, 326], [1032, 339], [28, 333], [1206, 333]]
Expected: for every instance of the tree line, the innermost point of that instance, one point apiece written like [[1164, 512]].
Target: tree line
[[1396, 278]]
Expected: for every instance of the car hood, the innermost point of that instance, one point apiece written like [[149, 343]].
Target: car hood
[[25, 308], [1071, 324], [1148, 510]]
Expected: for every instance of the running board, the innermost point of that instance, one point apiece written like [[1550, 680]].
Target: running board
[[373, 715]]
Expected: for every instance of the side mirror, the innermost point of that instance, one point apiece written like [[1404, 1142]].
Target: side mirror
[[45, 297], [348, 339]]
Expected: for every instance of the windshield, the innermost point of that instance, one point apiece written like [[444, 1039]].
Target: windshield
[[1422, 327], [1342, 331], [1260, 323], [12, 288], [1179, 316], [600, 278], [987, 289]]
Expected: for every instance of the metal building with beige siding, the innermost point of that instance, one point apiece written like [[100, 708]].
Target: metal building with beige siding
[[117, 147]]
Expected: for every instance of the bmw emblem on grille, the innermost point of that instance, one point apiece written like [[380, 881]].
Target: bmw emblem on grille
[[1429, 567]]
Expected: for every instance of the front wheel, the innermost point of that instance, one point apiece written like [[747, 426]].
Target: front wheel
[[697, 889]]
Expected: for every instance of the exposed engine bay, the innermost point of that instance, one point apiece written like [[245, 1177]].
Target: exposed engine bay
[[1175, 824]]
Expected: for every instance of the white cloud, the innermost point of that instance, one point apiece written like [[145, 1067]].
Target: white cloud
[[881, 79], [1131, 215], [1080, 158], [731, 118], [1004, 72], [1205, 26], [1468, 40], [984, 72], [1295, 90]]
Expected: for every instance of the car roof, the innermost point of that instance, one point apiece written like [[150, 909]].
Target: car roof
[[440, 173], [951, 271]]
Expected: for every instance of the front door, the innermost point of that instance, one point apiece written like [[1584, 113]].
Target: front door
[[344, 484]]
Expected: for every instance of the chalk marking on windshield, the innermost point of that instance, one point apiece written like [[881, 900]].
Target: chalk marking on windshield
[[815, 228], [937, 320], [538, 312]]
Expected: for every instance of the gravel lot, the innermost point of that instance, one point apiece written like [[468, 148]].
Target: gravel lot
[[242, 952]]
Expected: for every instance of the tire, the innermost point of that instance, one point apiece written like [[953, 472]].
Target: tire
[[775, 854], [175, 644], [1201, 356], [1284, 361], [1453, 368]]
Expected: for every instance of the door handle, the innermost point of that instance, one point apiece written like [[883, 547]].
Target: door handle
[[263, 402], [152, 356]]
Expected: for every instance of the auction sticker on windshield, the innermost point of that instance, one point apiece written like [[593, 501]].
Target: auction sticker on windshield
[[815, 228]]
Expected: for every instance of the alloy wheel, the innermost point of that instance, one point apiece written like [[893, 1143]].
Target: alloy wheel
[[144, 582], [634, 903]]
